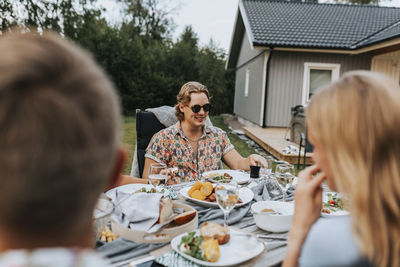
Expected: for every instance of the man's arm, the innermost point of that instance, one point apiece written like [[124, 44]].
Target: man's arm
[[147, 162], [125, 179], [236, 162]]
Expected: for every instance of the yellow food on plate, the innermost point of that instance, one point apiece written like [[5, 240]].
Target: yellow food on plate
[[107, 235], [207, 189], [198, 195], [211, 249], [195, 187]]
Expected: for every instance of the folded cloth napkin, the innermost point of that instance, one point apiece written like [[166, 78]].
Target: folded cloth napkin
[[139, 211], [270, 190], [207, 214], [123, 249]]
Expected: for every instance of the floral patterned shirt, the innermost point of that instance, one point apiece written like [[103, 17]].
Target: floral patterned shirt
[[171, 147]]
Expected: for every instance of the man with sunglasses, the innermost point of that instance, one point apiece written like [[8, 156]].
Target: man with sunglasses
[[192, 146]]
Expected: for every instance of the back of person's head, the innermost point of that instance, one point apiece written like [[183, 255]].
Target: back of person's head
[[184, 96], [59, 121], [356, 120]]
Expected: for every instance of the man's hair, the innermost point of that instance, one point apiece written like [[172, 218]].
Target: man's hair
[[356, 121], [59, 121], [184, 96]]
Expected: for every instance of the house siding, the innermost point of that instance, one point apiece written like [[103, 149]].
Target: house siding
[[285, 83], [249, 107]]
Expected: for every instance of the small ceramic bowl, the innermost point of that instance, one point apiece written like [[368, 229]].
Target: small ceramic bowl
[[278, 221]]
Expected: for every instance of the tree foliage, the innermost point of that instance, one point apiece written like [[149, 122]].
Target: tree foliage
[[147, 67]]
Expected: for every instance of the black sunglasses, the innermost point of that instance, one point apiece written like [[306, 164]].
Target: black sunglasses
[[197, 108]]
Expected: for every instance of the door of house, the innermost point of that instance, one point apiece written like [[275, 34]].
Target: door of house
[[388, 64]]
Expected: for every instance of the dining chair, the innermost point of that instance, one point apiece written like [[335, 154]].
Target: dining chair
[[147, 125], [307, 148]]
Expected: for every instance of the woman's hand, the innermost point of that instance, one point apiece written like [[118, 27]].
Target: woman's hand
[[308, 204], [308, 197]]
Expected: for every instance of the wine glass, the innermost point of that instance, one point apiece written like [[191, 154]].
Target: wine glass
[[157, 174], [102, 215], [270, 162], [227, 196], [284, 174]]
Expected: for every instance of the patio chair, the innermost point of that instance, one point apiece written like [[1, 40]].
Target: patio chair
[[307, 149], [147, 125]]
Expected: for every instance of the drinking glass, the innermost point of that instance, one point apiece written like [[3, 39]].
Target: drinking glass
[[227, 196], [270, 162], [285, 176], [102, 215], [157, 174]]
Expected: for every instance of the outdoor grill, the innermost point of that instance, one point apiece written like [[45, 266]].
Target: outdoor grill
[[297, 123]]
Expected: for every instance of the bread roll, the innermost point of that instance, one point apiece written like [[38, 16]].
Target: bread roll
[[215, 231], [165, 209], [211, 250], [185, 217]]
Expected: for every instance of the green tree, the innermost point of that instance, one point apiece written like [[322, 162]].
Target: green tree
[[60, 16], [211, 65], [148, 19]]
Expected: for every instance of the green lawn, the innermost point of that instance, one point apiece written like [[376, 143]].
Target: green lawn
[[129, 139]]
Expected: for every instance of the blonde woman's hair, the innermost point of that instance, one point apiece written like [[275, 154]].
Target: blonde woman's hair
[[184, 96], [357, 122]]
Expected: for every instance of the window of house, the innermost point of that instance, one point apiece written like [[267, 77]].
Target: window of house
[[318, 75], [246, 84]]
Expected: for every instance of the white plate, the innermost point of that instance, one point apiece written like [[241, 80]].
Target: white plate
[[244, 193], [131, 188], [240, 248], [238, 176], [333, 213]]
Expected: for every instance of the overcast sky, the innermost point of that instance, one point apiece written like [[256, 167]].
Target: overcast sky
[[209, 18]]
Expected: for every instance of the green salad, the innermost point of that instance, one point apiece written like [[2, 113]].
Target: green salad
[[191, 245], [333, 203], [222, 179], [151, 190]]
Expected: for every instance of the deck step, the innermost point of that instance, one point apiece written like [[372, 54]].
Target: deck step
[[273, 141]]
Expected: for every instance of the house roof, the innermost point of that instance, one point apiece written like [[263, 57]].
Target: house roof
[[278, 23], [318, 25]]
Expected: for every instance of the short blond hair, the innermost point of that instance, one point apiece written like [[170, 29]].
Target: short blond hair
[[59, 121], [356, 120], [184, 96]]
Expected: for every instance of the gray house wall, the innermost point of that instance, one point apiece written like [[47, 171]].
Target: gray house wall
[[285, 83], [250, 107]]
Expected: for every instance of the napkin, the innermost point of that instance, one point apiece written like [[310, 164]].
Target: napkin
[[139, 211], [270, 190], [122, 249]]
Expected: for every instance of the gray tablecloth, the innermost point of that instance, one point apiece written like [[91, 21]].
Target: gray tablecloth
[[122, 249]]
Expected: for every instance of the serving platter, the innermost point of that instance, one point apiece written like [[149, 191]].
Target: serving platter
[[238, 176], [133, 188], [245, 194], [164, 235], [240, 248]]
